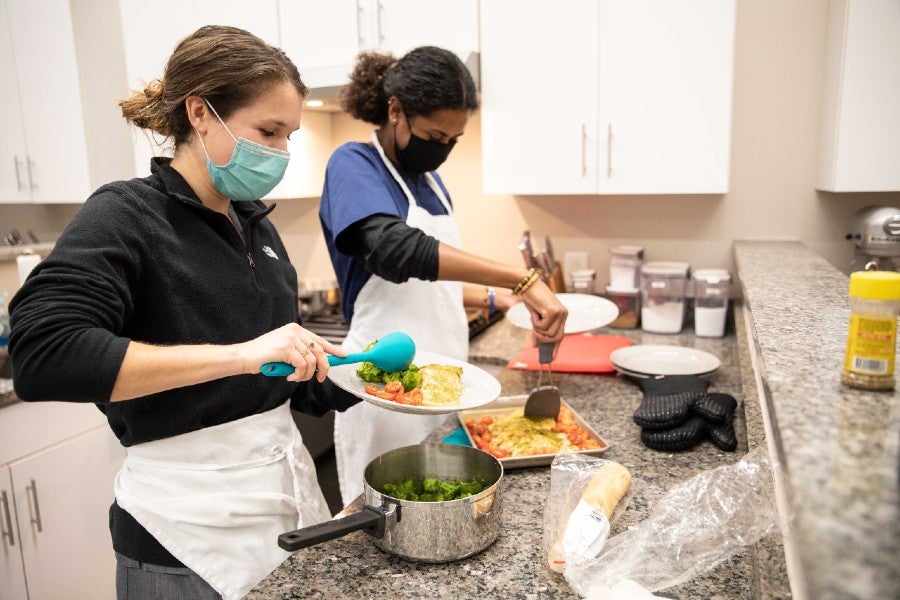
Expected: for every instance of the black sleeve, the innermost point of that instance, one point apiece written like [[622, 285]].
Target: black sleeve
[[316, 399], [390, 248], [65, 319]]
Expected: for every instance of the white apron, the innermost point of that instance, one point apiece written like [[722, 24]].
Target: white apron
[[431, 312], [217, 499]]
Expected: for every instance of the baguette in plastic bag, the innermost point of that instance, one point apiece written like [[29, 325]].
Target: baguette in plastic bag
[[579, 532]]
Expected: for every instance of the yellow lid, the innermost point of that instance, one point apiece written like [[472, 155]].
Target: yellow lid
[[875, 285]]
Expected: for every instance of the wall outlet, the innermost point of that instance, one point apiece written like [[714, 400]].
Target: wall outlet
[[573, 261]]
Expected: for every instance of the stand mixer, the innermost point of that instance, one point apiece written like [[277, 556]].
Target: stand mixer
[[876, 239]]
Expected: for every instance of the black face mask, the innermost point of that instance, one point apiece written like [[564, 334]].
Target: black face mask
[[421, 156]]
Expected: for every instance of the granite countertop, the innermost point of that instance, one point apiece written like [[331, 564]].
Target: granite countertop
[[514, 566], [837, 446]]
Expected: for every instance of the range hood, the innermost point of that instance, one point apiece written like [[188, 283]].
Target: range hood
[[326, 80]]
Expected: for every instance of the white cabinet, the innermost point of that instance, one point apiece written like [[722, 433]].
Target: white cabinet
[[859, 143], [401, 25], [60, 138], [54, 502], [14, 184], [625, 96], [324, 38], [12, 571], [153, 30]]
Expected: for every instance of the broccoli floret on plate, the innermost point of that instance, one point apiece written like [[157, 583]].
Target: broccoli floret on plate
[[370, 373]]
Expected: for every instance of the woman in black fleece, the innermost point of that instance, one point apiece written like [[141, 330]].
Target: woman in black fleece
[[161, 301]]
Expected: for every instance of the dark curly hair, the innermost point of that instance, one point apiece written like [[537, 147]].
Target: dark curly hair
[[425, 80]]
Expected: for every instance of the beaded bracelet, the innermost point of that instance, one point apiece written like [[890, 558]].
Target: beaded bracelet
[[529, 280]]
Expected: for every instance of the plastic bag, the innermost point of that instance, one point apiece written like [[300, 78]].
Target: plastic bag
[[694, 527], [573, 531]]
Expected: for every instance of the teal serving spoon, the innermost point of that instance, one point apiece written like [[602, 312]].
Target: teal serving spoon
[[392, 352]]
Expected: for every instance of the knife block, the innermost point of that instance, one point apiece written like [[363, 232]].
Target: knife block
[[556, 281]]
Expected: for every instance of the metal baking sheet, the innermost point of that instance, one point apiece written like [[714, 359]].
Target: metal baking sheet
[[506, 404]]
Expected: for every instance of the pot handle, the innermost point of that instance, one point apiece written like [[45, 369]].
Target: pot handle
[[369, 519]]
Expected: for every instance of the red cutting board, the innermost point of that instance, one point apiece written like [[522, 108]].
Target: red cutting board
[[577, 353]]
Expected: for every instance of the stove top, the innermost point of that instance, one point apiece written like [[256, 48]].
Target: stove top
[[333, 328]]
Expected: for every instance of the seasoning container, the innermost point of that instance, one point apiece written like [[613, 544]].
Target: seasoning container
[[628, 301], [711, 289], [872, 334], [625, 266], [663, 290], [583, 281]]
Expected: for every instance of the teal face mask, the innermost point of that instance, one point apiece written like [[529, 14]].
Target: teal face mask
[[253, 171]]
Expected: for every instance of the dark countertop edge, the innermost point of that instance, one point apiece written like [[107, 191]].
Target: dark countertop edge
[[836, 468]]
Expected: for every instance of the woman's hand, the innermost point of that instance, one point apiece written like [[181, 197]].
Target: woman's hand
[[292, 344], [548, 315]]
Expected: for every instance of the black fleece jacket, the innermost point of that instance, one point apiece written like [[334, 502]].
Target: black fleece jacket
[[144, 260]]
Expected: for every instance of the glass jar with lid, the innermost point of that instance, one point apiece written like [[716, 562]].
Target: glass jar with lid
[[625, 266], [711, 291], [663, 290]]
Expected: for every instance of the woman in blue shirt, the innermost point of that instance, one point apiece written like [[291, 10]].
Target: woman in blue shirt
[[390, 231]]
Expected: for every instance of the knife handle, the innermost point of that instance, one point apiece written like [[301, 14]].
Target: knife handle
[[545, 353]]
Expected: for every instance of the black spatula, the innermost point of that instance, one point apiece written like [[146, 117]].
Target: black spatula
[[543, 401]]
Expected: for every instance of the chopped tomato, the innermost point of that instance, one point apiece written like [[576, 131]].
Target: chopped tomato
[[393, 391], [393, 387]]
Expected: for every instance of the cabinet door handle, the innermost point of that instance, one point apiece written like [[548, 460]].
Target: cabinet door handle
[[34, 507], [609, 150], [583, 150], [19, 182], [360, 41], [8, 530], [30, 163], [378, 23]]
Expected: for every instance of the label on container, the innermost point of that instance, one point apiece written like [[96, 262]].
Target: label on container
[[871, 345]]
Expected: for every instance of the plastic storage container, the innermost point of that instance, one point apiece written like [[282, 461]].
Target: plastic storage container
[[663, 290], [628, 301], [711, 290], [872, 334], [583, 281], [625, 267]]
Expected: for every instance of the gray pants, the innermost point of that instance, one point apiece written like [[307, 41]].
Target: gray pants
[[140, 581]]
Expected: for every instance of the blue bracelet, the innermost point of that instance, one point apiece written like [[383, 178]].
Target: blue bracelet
[[491, 307]]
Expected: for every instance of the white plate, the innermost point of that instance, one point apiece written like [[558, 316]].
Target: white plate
[[637, 375], [479, 386], [586, 312], [648, 359]]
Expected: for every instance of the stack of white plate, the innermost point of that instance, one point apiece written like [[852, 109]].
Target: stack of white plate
[[647, 360]]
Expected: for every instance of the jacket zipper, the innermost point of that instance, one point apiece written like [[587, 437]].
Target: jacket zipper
[[240, 236]]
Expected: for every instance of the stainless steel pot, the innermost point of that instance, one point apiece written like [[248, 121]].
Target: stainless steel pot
[[420, 531]]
